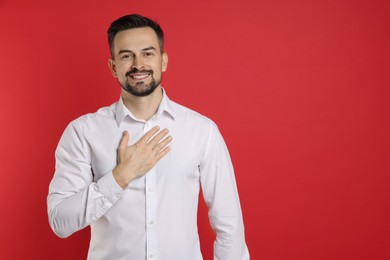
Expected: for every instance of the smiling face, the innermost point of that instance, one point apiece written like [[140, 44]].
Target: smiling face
[[137, 61]]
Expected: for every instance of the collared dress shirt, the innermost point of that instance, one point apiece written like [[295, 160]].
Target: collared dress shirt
[[155, 216]]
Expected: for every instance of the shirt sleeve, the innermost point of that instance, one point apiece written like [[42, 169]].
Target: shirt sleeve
[[75, 200], [221, 196]]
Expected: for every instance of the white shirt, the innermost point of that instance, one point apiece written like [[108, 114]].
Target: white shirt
[[155, 216]]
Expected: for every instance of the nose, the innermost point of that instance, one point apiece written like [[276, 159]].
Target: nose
[[137, 64]]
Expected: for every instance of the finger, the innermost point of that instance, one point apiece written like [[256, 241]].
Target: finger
[[158, 137], [149, 134], [124, 140], [158, 147], [163, 152]]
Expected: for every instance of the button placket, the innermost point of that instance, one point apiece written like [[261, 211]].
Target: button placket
[[147, 126], [151, 208]]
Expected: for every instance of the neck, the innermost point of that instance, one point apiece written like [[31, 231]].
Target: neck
[[143, 107]]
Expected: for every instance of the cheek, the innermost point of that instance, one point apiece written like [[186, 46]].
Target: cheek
[[121, 72], [121, 77], [157, 73]]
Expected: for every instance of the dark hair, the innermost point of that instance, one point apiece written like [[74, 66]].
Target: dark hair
[[130, 22]]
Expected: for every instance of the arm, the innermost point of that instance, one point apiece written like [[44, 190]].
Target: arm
[[75, 200], [221, 196]]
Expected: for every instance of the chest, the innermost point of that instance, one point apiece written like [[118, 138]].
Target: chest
[[181, 163]]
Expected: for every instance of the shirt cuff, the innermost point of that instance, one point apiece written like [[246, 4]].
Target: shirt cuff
[[110, 188]]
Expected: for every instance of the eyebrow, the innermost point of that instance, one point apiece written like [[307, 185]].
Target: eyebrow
[[144, 49], [124, 51], [149, 48]]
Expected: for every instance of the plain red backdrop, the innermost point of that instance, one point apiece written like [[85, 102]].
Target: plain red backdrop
[[299, 89]]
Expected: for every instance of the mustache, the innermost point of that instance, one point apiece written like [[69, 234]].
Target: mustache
[[135, 70]]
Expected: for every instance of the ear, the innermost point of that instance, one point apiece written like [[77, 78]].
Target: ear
[[112, 67], [164, 61]]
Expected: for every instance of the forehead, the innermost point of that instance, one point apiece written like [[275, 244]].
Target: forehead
[[136, 39]]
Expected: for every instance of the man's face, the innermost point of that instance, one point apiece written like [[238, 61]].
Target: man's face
[[137, 61]]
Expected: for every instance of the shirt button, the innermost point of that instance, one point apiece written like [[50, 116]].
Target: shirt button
[[151, 189], [151, 222], [151, 255]]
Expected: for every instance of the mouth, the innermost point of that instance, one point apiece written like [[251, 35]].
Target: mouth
[[139, 76]]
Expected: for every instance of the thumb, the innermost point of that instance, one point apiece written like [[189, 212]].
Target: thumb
[[124, 140]]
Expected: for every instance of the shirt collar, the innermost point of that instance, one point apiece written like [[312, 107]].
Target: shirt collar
[[165, 106]]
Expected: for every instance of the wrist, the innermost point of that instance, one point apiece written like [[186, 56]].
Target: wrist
[[117, 172]]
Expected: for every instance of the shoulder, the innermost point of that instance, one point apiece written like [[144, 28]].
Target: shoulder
[[189, 116], [102, 115]]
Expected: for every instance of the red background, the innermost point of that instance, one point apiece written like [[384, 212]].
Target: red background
[[299, 89]]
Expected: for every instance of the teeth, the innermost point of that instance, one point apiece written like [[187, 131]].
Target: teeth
[[140, 76]]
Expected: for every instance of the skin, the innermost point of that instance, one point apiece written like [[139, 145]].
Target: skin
[[138, 64], [141, 45]]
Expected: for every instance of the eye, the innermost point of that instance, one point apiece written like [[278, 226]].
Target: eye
[[125, 56], [149, 53]]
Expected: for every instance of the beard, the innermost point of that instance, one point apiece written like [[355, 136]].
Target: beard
[[140, 89]]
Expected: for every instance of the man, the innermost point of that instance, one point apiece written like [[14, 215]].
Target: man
[[132, 171]]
